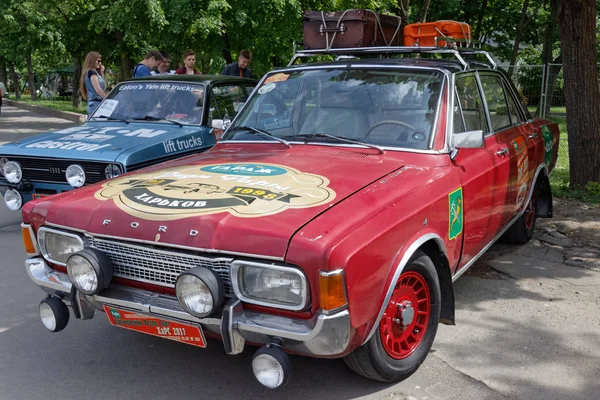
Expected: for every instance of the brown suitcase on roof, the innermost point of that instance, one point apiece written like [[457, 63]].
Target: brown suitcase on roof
[[350, 28]]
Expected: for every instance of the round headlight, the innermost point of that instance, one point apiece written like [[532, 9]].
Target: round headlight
[[75, 175], [13, 172], [13, 200], [271, 367], [112, 171], [200, 291], [90, 271], [82, 274], [3, 162]]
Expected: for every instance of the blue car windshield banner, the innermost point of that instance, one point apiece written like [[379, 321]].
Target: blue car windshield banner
[[180, 101]]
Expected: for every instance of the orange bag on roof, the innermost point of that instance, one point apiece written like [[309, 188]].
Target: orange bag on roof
[[424, 33]]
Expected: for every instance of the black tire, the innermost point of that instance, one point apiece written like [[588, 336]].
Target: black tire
[[372, 359], [522, 230]]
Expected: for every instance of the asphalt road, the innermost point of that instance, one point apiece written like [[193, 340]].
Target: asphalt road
[[507, 343]]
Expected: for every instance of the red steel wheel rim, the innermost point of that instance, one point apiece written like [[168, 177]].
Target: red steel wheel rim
[[406, 316], [530, 212]]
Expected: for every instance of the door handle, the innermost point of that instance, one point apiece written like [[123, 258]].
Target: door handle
[[502, 152], [533, 136]]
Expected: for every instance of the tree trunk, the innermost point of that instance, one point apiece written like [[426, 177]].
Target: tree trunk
[[476, 34], [3, 74], [126, 65], [515, 53], [423, 11], [577, 28], [76, 97], [31, 78], [547, 58], [227, 49], [15, 78], [403, 11]]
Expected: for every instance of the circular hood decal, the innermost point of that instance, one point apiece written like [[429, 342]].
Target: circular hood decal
[[244, 190]]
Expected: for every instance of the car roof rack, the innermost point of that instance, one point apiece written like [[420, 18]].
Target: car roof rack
[[453, 48]]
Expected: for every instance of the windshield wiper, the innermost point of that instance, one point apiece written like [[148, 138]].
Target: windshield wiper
[[260, 132], [308, 136], [151, 118], [110, 118]]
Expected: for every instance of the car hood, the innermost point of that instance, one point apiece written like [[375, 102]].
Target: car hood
[[97, 141], [247, 199]]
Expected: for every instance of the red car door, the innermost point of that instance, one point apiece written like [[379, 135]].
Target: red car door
[[484, 172], [513, 149]]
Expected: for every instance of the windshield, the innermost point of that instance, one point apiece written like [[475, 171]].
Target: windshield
[[178, 101], [381, 107]]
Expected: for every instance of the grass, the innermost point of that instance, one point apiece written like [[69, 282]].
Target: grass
[[55, 104], [559, 178]]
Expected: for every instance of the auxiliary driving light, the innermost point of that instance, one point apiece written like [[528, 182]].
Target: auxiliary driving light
[[271, 366], [13, 200], [200, 291], [90, 271], [75, 175], [13, 172], [54, 314]]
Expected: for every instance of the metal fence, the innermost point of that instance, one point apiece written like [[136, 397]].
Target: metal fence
[[542, 88]]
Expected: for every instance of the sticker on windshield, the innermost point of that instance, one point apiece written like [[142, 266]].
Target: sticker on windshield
[[280, 77], [159, 86], [243, 190], [266, 88], [455, 211], [106, 108]]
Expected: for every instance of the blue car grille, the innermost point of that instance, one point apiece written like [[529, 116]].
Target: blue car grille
[[53, 170]]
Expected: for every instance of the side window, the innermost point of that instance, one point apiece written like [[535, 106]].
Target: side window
[[459, 122], [226, 101], [493, 90], [515, 116], [470, 104]]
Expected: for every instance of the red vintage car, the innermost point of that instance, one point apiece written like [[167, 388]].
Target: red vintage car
[[330, 220]]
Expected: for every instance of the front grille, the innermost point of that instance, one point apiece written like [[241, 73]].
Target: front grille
[[53, 170], [159, 266]]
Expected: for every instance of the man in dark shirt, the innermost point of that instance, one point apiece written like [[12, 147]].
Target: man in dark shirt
[[240, 68]]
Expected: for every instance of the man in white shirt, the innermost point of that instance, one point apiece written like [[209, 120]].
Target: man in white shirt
[[163, 67]]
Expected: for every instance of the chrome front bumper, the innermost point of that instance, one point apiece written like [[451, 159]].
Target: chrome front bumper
[[321, 336]]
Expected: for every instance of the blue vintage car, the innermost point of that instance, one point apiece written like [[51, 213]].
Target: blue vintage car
[[142, 122]]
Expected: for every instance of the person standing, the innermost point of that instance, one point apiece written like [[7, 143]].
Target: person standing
[[189, 61], [148, 64], [91, 83], [240, 68], [163, 67]]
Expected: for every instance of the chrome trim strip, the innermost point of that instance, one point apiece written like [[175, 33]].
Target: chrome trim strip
[[503, 231], [235, 284], [175, 246], [41, 238], [405, 258], [32, 237], [399, 149], [41, 274]]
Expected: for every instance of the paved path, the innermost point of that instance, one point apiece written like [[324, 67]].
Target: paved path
[[17, 123]]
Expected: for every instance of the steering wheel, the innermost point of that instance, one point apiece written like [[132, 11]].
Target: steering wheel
[[390, 122]]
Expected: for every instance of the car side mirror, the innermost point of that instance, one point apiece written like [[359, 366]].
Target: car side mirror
[[468, 140], [217, 123]]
